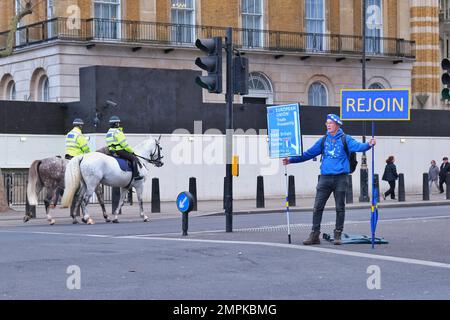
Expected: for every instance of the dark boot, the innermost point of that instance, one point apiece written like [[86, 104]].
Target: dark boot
[[312, 239], [136, 171], [337, 237]]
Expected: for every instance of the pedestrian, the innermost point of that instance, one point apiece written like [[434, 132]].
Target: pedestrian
[[390, 175], [433, 175], [76, 142], [335, 147], [445, 168]]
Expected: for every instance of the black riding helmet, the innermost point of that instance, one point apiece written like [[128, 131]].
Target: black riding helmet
[[114, 122], [78, 122]]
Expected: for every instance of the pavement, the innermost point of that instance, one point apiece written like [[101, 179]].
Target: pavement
[[207, 208]]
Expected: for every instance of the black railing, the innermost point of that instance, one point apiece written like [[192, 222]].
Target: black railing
[[16, 190], [185, 35]]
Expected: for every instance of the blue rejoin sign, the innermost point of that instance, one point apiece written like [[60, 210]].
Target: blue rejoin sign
[[283, 124], [185, 202], [378, 104]]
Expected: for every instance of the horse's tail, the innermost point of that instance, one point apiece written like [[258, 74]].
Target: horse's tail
[[72, 179], [33, 181]]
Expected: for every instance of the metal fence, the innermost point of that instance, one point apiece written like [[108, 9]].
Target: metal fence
[[108, 30], [16, 190]]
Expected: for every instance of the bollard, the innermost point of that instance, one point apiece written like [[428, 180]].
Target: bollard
[[260, 192], [376, 178], [193, 191], [156, 202], [425, 188], [115, 199], [401, 187], [291, 191], [349, 191], [130, 196], [224, 188], [447, 186]]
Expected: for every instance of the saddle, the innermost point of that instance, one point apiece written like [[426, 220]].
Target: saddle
[[124, 165]]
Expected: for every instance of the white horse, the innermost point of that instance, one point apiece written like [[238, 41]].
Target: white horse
[[93, 168]]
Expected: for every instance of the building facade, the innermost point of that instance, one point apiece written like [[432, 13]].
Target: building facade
[[299, 50]]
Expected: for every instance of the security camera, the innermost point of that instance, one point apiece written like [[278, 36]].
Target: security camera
[[110, 103]]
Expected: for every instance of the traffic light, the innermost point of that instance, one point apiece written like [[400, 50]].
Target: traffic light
[[445, 79], [240, 75], [211, 63]]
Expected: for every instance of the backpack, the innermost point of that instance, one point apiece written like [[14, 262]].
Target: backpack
[[351, 156]]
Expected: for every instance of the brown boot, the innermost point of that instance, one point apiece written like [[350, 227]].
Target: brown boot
[[312, 239], [337, 237]]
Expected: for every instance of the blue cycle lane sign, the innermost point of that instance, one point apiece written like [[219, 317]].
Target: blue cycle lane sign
[[376, 104], [185, 202], [283, 124]]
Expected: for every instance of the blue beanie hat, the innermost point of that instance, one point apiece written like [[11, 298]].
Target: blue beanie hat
[[335, 118]]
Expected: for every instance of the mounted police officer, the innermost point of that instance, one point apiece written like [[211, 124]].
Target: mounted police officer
[[76, 142], [118, 146]]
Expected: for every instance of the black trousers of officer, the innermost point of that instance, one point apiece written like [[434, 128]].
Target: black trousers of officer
[[130, 157]]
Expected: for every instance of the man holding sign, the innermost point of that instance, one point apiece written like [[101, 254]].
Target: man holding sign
[[335, 148]]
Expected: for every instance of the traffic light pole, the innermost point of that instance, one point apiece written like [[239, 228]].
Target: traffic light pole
[[364, 171], [229, 132]]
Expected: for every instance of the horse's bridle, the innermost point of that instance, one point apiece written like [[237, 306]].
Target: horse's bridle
[[155, 160]]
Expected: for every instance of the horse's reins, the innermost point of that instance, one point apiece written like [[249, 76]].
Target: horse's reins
[[152, 161]]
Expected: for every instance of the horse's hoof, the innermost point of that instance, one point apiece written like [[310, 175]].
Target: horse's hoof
[[75, 221], [52, 222], [26, 219], [115, 221], [90, 221], [107, 220], [146, 220]]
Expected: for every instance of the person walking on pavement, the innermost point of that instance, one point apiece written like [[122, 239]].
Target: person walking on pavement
[[334, 170], [444, 169], [390, 175], [76, 142], [433, 175], [118, 146]]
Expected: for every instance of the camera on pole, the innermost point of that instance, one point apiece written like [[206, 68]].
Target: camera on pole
[[212, 63]]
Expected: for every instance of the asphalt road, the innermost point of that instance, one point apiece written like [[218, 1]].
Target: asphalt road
[[136, 260]]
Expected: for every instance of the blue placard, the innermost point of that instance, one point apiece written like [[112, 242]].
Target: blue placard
[[375, 104], [283, 125], [184, 203]]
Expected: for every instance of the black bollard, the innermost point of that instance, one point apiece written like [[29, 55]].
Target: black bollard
[[260, 192], [193, 191], [425, 188], [377, 185], [401, 187], [115, 199], [447, 186], [291, 191], [156, 202], [349, 191]]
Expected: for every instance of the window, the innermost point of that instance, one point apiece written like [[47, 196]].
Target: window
[[183, 17], [260, 89], [318, 94], [376, 85], [374, 26], [44, 89], [20, 34], [252, 23], [50, 15], [315, 24], [11, 90], [106, 13]]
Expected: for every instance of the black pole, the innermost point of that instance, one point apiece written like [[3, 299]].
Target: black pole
[[447, 186], [401, 187], [229, 133], [425, 188], [364, 171], [260, 192], [193, 191], [184, 223], [156, 203]]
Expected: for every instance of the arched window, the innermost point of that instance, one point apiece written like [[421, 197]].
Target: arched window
[[44, 89], [318, 94], [260, 89], [376, 85], [11, 90]]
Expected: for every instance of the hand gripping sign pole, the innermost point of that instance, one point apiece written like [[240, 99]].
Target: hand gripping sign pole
[[285, 140], [375, 105]]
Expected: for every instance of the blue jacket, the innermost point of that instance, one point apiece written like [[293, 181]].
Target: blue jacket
[[335, 160]]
